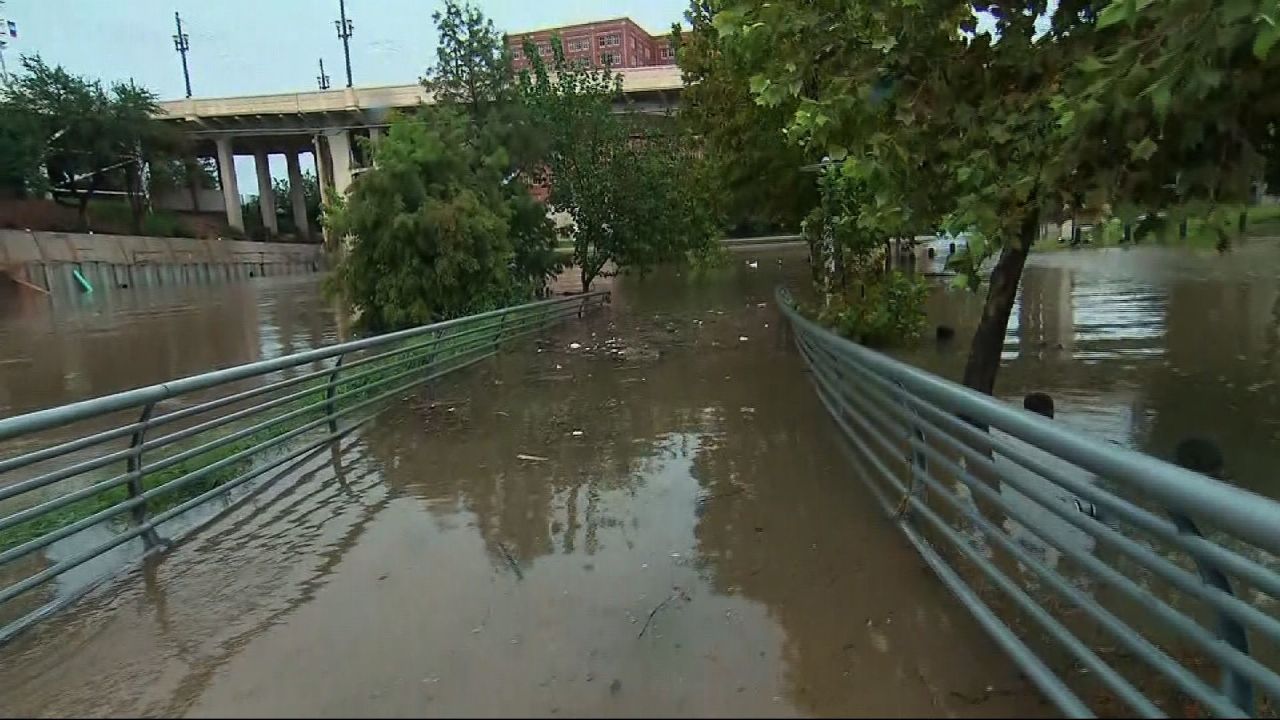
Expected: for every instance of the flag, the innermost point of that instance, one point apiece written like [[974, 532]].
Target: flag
[[13, 29]]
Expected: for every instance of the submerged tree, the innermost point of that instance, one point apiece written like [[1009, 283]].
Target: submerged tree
[[429, 228], [443, 223], [635, 188]]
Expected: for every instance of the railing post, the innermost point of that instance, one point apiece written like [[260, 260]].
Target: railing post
[[502, 326], [1234, 685], [917, 461], [150, 540], [330, 392]]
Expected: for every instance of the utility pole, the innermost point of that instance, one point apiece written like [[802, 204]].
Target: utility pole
[[345, 27], [322, 79], [8, 29], [182, 44]]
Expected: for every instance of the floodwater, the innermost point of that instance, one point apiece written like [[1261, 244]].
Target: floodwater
[[657, 521], [54, 352], [1144, 347]]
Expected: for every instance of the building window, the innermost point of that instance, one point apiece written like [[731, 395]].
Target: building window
[[579, 44], [609, 58], [610, 41], [667, 52], [544, 48]]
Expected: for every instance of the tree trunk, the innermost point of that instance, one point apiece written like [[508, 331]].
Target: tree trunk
[[988, 340]]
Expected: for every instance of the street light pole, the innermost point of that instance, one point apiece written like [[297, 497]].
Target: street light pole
[[322, 79], [345, 27], [182, 44]]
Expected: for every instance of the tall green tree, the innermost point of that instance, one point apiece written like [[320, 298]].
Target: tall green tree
[[943, 123], [427, 229], [635, 189], [443, 223], [22, 147], [758, 170], [473, 75], [91, 136]]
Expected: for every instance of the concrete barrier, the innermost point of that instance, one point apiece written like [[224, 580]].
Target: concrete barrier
[[48, 259]]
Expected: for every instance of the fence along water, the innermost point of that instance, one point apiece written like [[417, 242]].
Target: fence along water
[[1119, 583], [129, 470]]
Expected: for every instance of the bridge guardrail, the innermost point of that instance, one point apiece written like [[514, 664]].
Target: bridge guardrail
[[1083, 560], [94, 475]]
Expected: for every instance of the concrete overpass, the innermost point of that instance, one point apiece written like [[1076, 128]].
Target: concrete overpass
[[325, 123]]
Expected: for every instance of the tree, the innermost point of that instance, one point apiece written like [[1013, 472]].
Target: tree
[[136, 137], [88, 133], [184, 171], [429, 228], [21, 151], [473, 65], [635, 188], [1175, 110], [760, 173], [444, 224], [473, 75], [943, 124]]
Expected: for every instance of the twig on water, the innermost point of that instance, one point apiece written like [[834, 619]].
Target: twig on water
[[653, 612], [515, 567]]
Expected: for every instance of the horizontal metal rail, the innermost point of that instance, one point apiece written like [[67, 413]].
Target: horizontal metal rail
[[80, 476], [1083, 560]]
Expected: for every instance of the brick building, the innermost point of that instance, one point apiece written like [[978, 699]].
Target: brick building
[[619, 43]]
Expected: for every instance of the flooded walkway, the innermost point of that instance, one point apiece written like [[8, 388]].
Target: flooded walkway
[[648, 514]]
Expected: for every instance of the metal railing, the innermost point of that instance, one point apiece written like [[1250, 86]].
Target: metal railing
[[81, 480], [1080, 558]]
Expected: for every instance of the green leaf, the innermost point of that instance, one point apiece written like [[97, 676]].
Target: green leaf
[[1266, 40], [1092, 64], [1145, 149], [837, 152], [1161, 97], [1117, 11]]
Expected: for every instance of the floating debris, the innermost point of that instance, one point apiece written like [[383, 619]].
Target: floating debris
[[574, 345], [742, 338], [531, 458]]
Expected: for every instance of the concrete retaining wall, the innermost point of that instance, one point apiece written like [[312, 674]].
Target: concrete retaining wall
[[48, 260]]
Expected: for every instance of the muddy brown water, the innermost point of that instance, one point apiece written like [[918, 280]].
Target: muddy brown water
[[657, 521]]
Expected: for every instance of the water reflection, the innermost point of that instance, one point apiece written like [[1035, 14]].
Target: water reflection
[[1144, 348]]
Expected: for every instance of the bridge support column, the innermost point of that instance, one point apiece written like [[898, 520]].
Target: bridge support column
[[297, 197], [230, 191], [266, 194], [340, 159], [324, 168]]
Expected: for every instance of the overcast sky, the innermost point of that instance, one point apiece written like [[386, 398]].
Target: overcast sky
[[249, 47], [242, 47]]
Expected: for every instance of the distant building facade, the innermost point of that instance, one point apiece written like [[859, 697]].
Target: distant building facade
[[619, 43]]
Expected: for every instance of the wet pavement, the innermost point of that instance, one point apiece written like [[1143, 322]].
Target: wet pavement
[[656, 521]]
